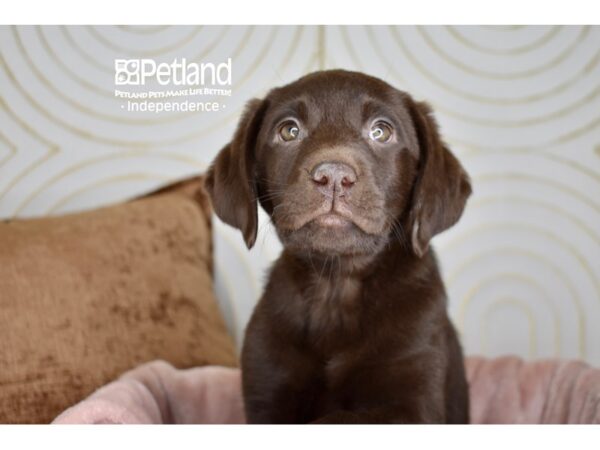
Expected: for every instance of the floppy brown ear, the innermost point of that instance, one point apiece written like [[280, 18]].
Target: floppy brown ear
[[442, 185], [230, 180]]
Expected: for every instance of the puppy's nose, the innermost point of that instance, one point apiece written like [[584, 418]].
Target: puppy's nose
[[334, 176]]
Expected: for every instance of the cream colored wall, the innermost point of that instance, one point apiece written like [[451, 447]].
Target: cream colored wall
[[519, 105]]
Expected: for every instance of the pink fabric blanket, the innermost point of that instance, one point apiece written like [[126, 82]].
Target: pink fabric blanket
[[503, 390]]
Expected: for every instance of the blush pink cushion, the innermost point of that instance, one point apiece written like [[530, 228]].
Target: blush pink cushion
[[510, 390], [503, 390], [156, 393]]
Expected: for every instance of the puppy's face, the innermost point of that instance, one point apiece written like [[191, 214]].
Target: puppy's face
[[343, 163], [335, 160]]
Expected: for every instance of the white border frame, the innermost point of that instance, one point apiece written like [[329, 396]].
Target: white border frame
[[266, 12]]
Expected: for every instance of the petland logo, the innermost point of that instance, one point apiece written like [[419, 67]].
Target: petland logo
[[145, 86], [136, 72]]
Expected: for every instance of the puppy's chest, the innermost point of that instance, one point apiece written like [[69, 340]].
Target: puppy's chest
[[332, 310], [337, 334]]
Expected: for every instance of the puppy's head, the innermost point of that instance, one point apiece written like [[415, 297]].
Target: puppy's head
[[342, 162]]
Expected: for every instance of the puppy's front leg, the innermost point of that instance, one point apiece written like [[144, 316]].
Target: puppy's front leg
[[407, 391], [278, 380], [386, 415]]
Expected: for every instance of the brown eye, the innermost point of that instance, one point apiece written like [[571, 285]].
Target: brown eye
[[289, 131], [381, 132]]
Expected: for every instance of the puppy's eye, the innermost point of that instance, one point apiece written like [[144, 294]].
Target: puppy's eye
[[289, 131], [381, 132]]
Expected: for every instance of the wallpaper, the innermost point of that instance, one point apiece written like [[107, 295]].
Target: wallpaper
[[519, 105]]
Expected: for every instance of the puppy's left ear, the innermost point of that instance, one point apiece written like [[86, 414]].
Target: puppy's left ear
[[230, 180], [442, 185]]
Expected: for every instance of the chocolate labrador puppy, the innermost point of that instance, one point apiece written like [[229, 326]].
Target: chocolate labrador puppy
[[352, 327]]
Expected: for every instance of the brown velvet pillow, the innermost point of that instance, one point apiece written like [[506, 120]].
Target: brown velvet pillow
[[88, 296]]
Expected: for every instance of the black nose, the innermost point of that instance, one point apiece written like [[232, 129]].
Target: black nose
[[334, 177]]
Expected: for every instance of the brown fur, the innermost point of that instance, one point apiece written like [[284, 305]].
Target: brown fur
[[352, 327]]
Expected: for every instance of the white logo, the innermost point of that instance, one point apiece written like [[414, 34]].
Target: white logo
[[127, 71], [135, 72]]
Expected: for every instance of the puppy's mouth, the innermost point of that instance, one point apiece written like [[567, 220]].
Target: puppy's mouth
[[332, 220], [336, 216], [330, 227]]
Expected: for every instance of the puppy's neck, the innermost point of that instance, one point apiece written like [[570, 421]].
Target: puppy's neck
[[357, 267], [332, 288], [338, 266]]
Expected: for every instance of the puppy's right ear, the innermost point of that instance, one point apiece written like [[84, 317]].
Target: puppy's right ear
[[230, 180]]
